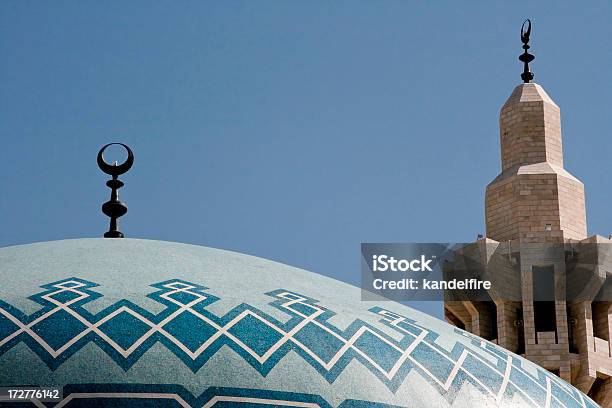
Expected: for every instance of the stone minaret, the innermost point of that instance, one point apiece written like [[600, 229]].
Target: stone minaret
[[534, 198], [536, 231]]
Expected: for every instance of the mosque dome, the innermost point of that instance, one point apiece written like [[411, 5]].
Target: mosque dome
[[128, 322]]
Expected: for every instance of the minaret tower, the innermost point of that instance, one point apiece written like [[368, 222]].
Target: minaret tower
[[536, 231], [533, 198]]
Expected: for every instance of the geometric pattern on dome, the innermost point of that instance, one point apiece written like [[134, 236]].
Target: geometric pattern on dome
[[125, 331]]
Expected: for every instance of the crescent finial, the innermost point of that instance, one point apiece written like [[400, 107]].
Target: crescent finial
[[526, 33], [114, 208], [115, 169], [526, 57]]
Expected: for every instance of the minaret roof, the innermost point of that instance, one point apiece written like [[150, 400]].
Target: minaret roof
[[530, 92]]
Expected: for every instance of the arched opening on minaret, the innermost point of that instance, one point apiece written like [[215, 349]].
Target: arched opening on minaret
[[599, 313], [488, 319], [544, 316], [544, 310]]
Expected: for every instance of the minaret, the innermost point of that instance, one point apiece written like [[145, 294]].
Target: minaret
[[533, 198], [536, 236]]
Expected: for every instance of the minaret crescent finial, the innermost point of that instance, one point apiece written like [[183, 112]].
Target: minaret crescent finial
[[114, 208], [526, 57]]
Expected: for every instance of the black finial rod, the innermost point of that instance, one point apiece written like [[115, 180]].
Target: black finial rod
[[526, 57], [114, 208]]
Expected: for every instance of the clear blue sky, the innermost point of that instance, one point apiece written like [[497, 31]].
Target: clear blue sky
[[288, 130]]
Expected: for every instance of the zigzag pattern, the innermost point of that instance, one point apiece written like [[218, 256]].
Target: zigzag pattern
[[125, 332]]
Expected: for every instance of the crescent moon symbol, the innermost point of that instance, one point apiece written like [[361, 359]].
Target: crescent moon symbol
[[525, 34], [115, 170]]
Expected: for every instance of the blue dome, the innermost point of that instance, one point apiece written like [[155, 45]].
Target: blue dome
[[126, 322]]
